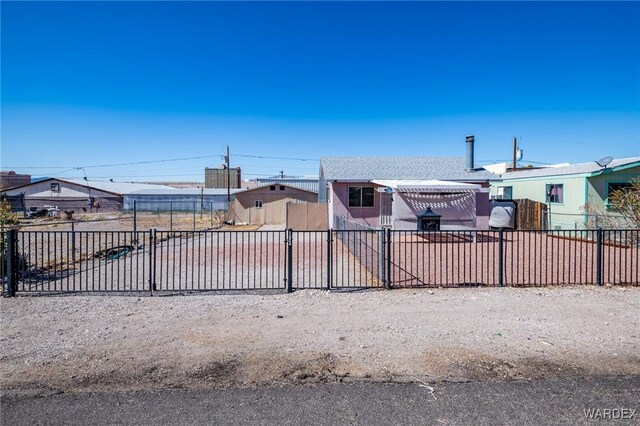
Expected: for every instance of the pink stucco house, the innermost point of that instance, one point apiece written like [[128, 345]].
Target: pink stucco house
[[379, 192]]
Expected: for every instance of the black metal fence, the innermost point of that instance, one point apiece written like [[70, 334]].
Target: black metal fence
[[156, 261]]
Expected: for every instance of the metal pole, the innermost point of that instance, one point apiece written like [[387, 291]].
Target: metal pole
[[170, 215], [211, 212], [382, 244], [289, 260], [228, 176], [329, 257], [388, 269], [515, 147], [152, 263], [194, 216], [73, 242], [500, 257], [135, 216], [12, 255], [599, 256]]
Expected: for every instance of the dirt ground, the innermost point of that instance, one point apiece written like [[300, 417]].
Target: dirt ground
[[86, 343]]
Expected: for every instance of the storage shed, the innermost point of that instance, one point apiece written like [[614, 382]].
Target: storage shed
[[267, 205]]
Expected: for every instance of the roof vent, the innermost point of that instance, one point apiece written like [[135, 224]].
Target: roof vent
[[470, 139]]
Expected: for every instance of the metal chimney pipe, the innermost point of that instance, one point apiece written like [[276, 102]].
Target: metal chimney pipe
[[470, 141]]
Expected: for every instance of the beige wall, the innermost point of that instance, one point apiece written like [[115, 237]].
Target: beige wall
[[307, 216], [274, 204]]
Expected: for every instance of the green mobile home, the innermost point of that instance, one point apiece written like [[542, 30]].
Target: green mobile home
[[571, 191]]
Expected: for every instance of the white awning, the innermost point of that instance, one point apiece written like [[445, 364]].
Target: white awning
[[427, 186]]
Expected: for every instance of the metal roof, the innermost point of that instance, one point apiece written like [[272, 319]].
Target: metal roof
[[309, 184], [280, 183], [116, 187], [184, 191], [427, 185], [572, 169], [415, 168]]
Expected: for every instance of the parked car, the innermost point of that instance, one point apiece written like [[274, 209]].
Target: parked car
[[45, 211]]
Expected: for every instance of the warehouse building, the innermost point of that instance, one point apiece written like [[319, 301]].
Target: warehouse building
[[178, 199], [216, 177], [10, 179], [78, 194]]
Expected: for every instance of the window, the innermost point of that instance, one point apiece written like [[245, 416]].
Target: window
[[614, 187], [55, 187], [554, 193], [618, 186], [361, 196], [259, 204], [507, 192], [281, 188], [272, 188]]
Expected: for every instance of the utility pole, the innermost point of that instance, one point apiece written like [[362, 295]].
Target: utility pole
[[228, 176], [515, 147], [281, 173]]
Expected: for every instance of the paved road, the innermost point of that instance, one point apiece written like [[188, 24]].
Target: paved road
[[550, 401]]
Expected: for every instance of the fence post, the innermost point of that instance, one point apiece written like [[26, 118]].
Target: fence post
[[388, 268], [289, 260], [382, 262], [152, 261], [500, 257], [194, 216], [599, 256], [329, 257], [135, 216], [73, 242], [171, 216], [12, 256]]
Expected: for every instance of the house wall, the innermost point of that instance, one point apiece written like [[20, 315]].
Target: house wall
[[339, 205], [274, 205], [566, 215], [483, 210], [597, 186], [578, 191]]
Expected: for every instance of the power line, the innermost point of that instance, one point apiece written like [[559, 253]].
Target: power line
[[275, 158], [131, 163]]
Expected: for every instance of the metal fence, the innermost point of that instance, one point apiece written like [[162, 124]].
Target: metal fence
[[156, 261], [167, 216]]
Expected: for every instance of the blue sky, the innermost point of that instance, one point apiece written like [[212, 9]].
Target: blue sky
[[114, 82]]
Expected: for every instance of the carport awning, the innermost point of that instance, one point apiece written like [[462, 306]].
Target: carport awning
[[427, 186]]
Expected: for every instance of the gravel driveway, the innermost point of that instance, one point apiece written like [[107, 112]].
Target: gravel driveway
[[126, 342]]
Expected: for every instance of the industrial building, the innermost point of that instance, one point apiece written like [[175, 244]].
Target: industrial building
[[10, 179], [78, 194], [216, 177], [178, 199]]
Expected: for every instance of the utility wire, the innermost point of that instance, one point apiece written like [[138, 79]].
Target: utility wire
[[162, 161]]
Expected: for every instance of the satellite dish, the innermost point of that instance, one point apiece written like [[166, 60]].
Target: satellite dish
[[604, 162]]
